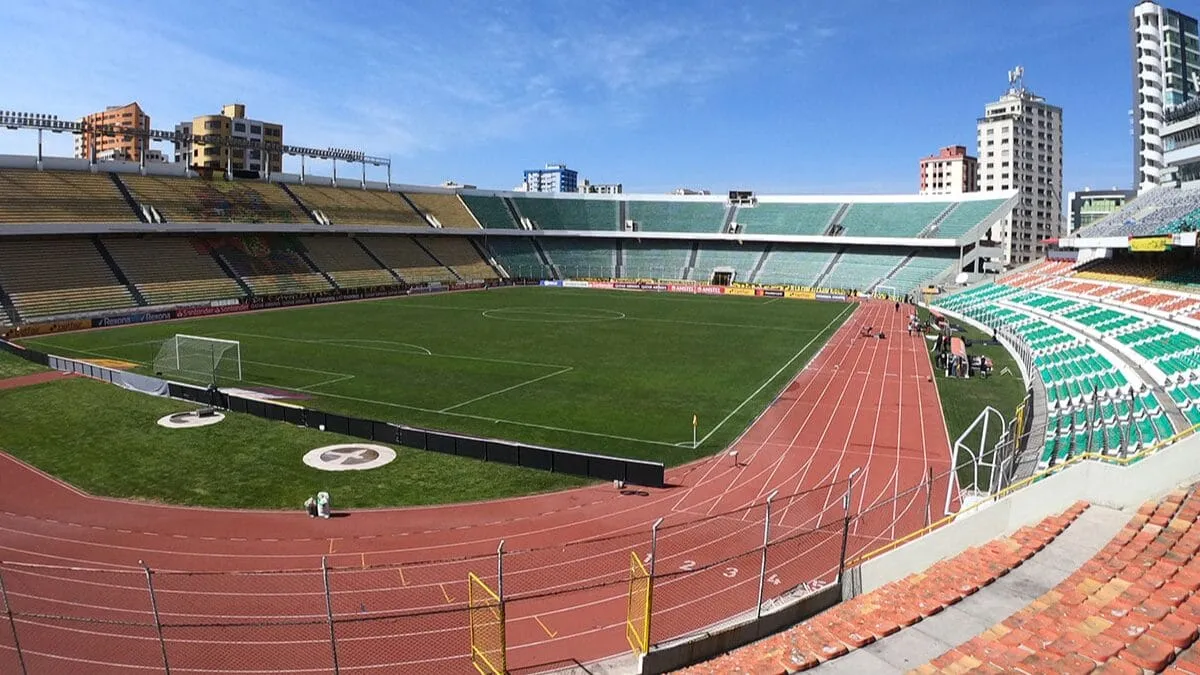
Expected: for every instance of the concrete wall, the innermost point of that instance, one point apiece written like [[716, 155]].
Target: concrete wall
[[1101, 483], [664, 659]]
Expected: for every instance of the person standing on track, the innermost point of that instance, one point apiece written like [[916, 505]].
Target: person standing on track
[[897, 306]]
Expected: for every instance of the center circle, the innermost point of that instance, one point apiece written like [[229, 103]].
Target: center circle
[[349, 457], [554, 315]]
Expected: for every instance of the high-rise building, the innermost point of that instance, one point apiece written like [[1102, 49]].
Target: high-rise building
[[231, 124], [1181, 143], [99, 128], [950, 172], [1020, 139], [1166, 73], [1088, 205], [553, 178]]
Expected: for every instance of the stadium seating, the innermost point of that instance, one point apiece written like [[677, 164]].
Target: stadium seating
[[1160, 210], [355, 206], [920, 270], [964, 216], [518, 257], [459, 255], [861, 270], [408, 260], [268, 264], [61, 197], [490, 212], [581, 259], [741, 258], [868, 219], [892, 608], [654, 259], [1095, 404], [1132, 608], [184, 200], [676, 216], [794, 267], [57, 277], [548, 213], [171, 270], [446, 209], [346, 262], [776, 218]]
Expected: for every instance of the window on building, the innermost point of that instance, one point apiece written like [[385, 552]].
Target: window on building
[[213, 125], [239, 126]]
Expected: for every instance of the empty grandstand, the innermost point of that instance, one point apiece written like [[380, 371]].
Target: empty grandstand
[[28, 196]]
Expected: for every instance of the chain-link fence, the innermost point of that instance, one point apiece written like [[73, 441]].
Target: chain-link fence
[[691, 572]]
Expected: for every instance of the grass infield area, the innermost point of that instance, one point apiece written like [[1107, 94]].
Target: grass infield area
[[963, 399], [618, 373]]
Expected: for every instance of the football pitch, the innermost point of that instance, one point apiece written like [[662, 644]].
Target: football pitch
[[618, 373]]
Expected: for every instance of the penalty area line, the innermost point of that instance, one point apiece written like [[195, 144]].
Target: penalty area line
[[507, 389]]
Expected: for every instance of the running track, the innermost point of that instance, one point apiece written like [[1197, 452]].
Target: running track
[[862, 405]]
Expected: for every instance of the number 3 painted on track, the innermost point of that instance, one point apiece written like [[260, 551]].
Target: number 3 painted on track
[[730, 572], [774, 580]]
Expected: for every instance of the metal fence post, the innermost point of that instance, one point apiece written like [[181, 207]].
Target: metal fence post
[[162, 644], [845, 540], [650, 581], [12, 624], [929, 496], [762, 570], [329, 615], [500, 571]]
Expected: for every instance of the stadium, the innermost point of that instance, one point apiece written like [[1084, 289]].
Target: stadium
[[268, 422]]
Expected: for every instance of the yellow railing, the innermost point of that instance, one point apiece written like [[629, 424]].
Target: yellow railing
[[637, 619]]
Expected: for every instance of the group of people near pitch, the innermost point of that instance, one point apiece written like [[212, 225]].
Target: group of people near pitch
[[318, 507]]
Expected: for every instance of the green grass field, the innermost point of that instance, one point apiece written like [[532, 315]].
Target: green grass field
[[104, 439], [610, 372], [963, 399]]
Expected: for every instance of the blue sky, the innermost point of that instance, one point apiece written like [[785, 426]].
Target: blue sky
[[799, 96]]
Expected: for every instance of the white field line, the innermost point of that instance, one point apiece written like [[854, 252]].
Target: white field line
[[506, 389], [777, 373], [751, 326], [426, 352]]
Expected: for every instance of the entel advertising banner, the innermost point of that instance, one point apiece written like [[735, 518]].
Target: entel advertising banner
[[738, 290]]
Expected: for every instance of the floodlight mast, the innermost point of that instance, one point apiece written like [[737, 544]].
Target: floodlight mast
[[15, 120]]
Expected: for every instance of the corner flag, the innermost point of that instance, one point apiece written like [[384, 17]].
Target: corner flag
[[695, 421]]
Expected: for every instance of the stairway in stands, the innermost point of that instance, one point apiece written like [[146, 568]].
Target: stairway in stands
[[303, 207], [7, 309], [128, 197], [894, 270], [931, 229], [118, 272], [829, 268]]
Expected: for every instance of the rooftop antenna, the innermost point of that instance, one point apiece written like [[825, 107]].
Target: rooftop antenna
[[1016, 80]]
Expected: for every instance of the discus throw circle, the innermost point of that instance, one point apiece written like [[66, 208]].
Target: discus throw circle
[[349, 457], [189, 420]]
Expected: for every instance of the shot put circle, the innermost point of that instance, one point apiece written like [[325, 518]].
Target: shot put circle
[[552, 315], [189, 420], [349, 457]]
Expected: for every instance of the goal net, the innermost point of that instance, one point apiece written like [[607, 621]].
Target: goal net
[[200, 358]]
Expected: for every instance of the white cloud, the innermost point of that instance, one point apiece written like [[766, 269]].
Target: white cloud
[[408, 81]]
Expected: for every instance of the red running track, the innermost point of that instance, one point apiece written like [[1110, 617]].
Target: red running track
[[398, 577]]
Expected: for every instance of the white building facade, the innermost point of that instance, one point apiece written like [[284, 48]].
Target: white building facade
[[1020, 147], [1166, 65]]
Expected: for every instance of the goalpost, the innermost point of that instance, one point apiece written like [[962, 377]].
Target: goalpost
[[889, 291], [196, 357]]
